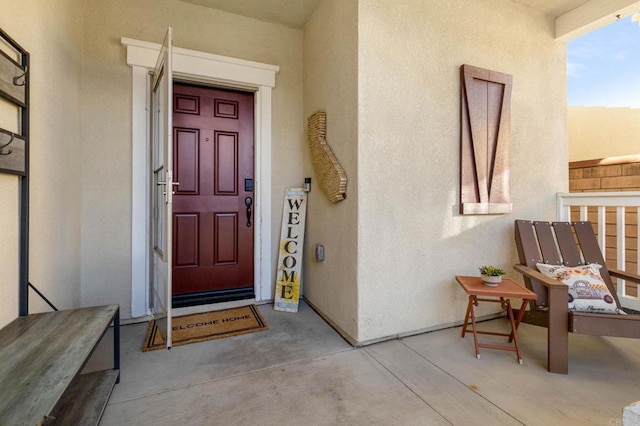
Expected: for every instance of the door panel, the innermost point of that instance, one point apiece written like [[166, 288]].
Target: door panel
[[186, 104], [186, 243], [214, 155], [226, 237], [226, 163], [186, 153]]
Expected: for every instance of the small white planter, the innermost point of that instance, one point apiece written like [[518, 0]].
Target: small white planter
[[491, 280]]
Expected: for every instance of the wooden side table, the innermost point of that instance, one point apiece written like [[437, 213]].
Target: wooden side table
[[501, 293]]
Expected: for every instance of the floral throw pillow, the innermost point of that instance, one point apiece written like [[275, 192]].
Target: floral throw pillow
[[587, 290]]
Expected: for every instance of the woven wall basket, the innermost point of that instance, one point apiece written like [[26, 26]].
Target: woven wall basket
[[333, 179]]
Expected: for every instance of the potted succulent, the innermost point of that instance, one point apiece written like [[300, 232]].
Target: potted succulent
[[491, 275]]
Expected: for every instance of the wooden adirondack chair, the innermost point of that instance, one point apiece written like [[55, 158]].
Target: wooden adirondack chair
[[568, 244]]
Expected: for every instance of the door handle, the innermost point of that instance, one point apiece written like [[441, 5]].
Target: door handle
[[172, 184], [248, 202]]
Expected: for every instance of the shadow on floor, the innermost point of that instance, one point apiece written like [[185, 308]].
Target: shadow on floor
[[302, 371]]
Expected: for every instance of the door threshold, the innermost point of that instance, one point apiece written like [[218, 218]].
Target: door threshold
[[188, 310]]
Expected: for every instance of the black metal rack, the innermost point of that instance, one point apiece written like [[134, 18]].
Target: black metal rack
[[14, 148]]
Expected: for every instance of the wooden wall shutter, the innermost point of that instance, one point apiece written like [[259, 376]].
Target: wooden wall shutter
[[485, 139]]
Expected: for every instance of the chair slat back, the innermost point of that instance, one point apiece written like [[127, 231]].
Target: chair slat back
[[567, 244], [588, 243], [547, 242], [529, 254], [592, 253]]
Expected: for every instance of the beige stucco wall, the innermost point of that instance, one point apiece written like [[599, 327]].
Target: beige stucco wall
[[386, 72], [52, 33], [106, 158], [411, 239], [600, 132], [330, 84]]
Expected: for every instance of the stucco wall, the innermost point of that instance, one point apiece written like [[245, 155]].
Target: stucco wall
[[386, 72], [330, 84], [52, 35], [106, 159], [411, 239], [599, 132]]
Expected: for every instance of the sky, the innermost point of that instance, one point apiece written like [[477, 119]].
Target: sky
[[603, 67]]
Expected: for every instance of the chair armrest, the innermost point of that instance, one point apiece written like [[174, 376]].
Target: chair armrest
[[538, 276], [624, 275]]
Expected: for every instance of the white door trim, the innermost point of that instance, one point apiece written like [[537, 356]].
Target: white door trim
[[208, 68]]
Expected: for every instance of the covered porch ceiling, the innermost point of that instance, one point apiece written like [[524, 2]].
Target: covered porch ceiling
[[573, 17]]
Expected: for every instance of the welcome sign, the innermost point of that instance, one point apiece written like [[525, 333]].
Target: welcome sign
[[290, 258]]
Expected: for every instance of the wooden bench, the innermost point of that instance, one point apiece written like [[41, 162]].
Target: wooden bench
[[41, 358]]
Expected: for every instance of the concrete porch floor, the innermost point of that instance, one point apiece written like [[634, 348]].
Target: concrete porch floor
[[301, 371]]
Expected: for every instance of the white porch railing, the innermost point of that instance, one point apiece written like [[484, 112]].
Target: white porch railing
[[594, 206]]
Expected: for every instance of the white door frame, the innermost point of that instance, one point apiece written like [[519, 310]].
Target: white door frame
[[191, 65]]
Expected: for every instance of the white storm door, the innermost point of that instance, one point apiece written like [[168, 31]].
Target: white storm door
[[162, 189]]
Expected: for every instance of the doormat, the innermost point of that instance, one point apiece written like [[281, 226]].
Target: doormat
[[206, 326]]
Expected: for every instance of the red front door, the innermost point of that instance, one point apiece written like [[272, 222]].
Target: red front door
[[213, 203]]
